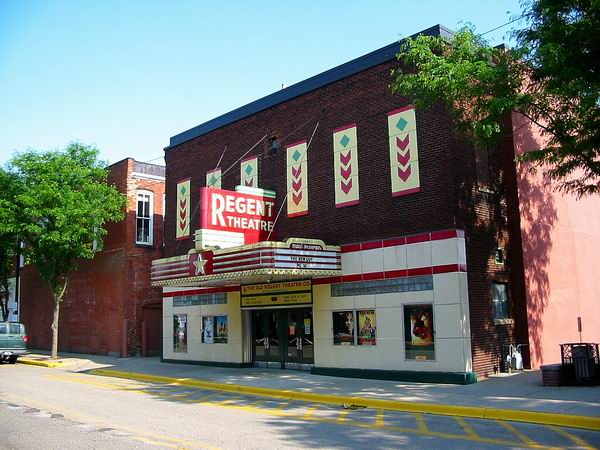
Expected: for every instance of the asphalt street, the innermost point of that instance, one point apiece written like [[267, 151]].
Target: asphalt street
[[46, 409]]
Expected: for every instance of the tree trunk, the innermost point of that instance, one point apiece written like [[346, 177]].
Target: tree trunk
[[54, 327], [57, 295]]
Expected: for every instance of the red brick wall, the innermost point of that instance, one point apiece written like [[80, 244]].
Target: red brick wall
[[449, 196], [105, 290]]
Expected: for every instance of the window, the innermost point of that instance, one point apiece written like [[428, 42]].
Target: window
[[346, 333], [145, 200], [419, 332], [500, 297], [214, 330], [274, 146], [180, 333], [482, 168]]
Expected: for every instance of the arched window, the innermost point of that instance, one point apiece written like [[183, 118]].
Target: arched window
[[144, 217]]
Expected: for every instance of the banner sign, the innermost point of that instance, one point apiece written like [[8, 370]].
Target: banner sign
[[213, 178], [345, 166], [229, 211], [249, 172], [277, 294], [297, 180], [404, 155], [183, 210]]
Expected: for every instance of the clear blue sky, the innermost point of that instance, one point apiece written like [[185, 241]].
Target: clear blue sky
[[128, 75]]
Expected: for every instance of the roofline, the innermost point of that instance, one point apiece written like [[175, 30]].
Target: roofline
[[340, 72]]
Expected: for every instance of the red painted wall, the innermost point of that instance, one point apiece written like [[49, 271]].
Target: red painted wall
[[561, 256], [112, 287]]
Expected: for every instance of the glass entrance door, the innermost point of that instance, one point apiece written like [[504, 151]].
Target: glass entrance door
[[266, 335], [283, 338]]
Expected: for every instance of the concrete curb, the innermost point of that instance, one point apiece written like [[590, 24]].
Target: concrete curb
[[41, 362], [542, 418]]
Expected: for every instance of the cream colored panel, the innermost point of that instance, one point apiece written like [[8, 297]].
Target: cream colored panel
[[418, 255], [345, 166], [403, 151], [297, 180], [249, 172], [391, 354], [324, 353], [449, 355], [418, 297], [372, 260], [444, 252], [391, 300], [323, 328], [344, 356], [183, 210], [389, 323], [213, 178], [342, 303], [446, 288], [394, 258], [448, 321], [351, 263], [367, 357], [364, 301]]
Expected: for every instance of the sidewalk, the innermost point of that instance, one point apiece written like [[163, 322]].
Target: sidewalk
[[515, 393]]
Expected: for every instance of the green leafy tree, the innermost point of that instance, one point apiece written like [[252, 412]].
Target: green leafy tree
[[552, 78], [64, 202], [9, 236]]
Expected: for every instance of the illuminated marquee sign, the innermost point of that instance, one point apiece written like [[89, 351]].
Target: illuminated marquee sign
[[277, 294], [236, 212]]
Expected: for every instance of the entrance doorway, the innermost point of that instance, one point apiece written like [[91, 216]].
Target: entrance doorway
[[283, 338]]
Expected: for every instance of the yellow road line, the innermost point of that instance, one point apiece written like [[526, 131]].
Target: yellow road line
[[421, 423], [309, 416], [343, 417], [468, 429], [576, 439], [525, 439], [309, 412], [379, 418]]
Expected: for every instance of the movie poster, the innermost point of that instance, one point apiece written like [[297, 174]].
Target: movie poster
[[418, 332], [207, 330], [343, 328], [180, 333], [220, 329], [367, 327]]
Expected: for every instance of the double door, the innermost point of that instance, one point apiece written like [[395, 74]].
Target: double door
[[283, 338]]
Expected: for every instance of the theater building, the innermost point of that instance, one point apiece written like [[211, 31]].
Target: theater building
[[332, 227]]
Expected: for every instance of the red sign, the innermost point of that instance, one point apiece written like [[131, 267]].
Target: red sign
[[251, 215]]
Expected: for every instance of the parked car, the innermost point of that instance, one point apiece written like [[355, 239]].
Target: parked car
[[13, 341]]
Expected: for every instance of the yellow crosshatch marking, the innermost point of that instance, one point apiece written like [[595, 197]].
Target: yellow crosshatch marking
[[306, 411]]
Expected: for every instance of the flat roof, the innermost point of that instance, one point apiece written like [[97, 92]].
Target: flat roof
[[345, 70]]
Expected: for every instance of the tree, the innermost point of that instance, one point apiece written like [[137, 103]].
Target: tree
[[552, 77], [64, 202], [9, 236]]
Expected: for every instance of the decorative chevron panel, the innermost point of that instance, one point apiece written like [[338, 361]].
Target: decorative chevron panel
[[404, 154], [297, 180], [345, 166], [213, 178], [183, 210], [249, 172]]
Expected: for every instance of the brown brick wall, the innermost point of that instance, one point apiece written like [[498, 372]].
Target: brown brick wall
[[104, 291], [449, 194]]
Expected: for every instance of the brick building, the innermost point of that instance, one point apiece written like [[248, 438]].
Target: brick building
[[397, 250], [109, 307]]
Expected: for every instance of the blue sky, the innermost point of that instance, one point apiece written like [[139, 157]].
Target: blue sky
[[128, 75]]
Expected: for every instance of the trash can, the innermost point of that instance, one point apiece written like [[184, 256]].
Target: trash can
[[583, 358]]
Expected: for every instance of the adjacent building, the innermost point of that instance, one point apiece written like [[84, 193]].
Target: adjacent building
[[330, 226], [109, 307]]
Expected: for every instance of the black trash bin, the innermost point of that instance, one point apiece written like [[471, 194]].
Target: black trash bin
[[582, 359]]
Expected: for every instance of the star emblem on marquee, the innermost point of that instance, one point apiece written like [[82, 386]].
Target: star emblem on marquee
[[200, 263]]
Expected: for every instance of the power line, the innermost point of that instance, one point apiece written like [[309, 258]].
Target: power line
[[502, 26]]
